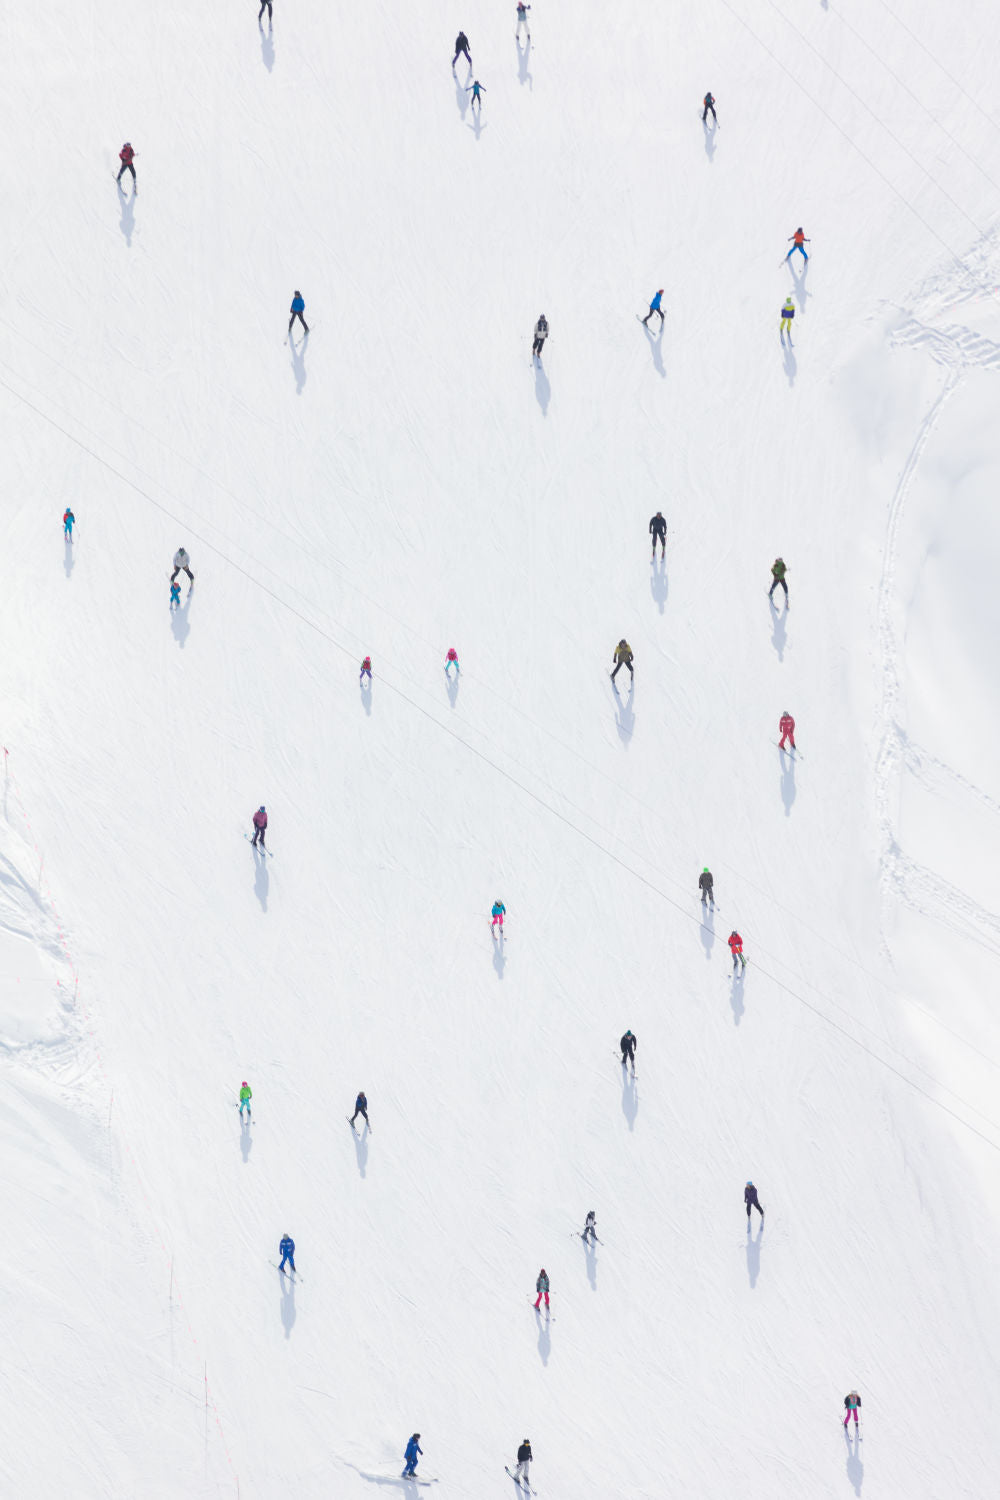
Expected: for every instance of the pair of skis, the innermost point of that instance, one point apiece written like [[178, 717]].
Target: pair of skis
[[525, 1484], [624, 1064], [258, 845], [351, 1123], [292, 1276]]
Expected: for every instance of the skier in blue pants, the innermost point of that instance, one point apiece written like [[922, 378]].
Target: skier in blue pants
[[413, 1448], [287, 1248]]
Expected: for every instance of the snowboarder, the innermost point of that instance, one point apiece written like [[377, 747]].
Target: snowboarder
[[524, 1457], [705, 886], [778, 570], [413, 1450], [628, 1045], [787, 314], [68, 519], [366, 669], [541, 334], [265, 5], [852, 1402], [623, 658], [246, 1094], [361, 1108], [752, 1201], [287, 1252], [476, 89], [798, 242], [786, 724], [127, 156], [522, 20], [451, 660], [658, 528], [709, 105], [182, 564], [542, 1288], [297, 310], [590, 1228], [736, 949], [498, 913], [259, 827], [175, 595], [654, 307], [461, 45]]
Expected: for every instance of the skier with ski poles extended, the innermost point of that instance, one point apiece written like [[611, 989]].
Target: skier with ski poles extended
[[287, 1251], [246, 1094], [498, 912], [127, 156], [786, 724], [542, 1288], [658, 529], [590, 1228], [413, 1451], [654, 307], [852, 1401], [461, 46], [259, 827], [798, 242], [476, 89], [361, 1108], [297, 310], [522, 20], [623, 658], [541, 334], [709, 105], [736, 949], [778, 570], [628, 1045], [787, 316], [524, 1457], [752, 1201], [68, 520], [705, 886], [366, 669], [182, 564]]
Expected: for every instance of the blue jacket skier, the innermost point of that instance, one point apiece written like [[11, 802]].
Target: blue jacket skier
[[476, 89], [361, 1108], [68, 519], [287, 1248], [175, 595], [654, 307], [413, 1449], [297, 309]]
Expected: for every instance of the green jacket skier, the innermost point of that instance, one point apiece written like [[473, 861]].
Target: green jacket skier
[[246, 1094], [778, 571]]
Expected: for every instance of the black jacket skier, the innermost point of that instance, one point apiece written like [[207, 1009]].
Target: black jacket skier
[[658, 528], [361, 1108], [751, 1200], [523, 1460], [628, 1045], [705, 886], [622, 658], [590, 1228], [462, 45], [541, 334], [709, 105]]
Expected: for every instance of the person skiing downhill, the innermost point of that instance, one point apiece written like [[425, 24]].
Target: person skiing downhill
[[451, 660], [287, 1252], [182, 564], [654, 307], [476, 89], [628, 1045], [541, 334], [623, 658], [852, 1402], [522, 20], [498, 913], [658, 529], [736, 949], [259, 827], [127, 156], [705, 886], [778, 570], [524, 1456], [590, 1228], [752, 1201], [798, 242], [246, 1094], [542, 1288], [366, 669], [413, 1451], [787, 315], [709, 105], [297, 310], [361, 1108], [175, 595], [786, 725], [265, 5], [68, 519], [461, 45]]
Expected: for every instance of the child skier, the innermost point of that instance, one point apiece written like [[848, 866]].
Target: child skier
[[461, 45], [175, 595], [798, 242], [297, 310], [709, 105], [787, 314], [541, 334], [366, 669], [182, 564], [590, 1228], [736, 949], [498, 913], [127, 156], [852, 1401], [246, 1094], [658, 528], [361, 1108], [705, 886], [786, 724], [476, 89], [623, 658], [542, 1288], [778, 571], [628, 1045], [522, 20], [752, 1201], [259, 827], [451, 660], [68, 520], [413, 1451], [287, 1251], [654, 307]]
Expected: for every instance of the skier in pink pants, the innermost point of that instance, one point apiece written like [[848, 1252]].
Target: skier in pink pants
[[542, 1288], [852, 1402], [498, 912]]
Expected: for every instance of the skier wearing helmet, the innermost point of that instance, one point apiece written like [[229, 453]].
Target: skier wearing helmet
[[259, 826], [246, 1094], [524, 1456], [705, 886], [499, 911], [751, 1200]]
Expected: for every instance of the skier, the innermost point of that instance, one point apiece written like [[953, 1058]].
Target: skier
[[246, 1094], [542, 1288], [658, 528], [705, 886], [361, 1108], [798, 242], [287, 1251], [787, 314], [623, 658], [852, 1401], [476, 89], [182, 564], [297, 310], [366, 669], [498, 913], [127, 156], [752, 1201], [265, 5], [736, 949], [175, 595], [524, 1456], [628, 1045], [413, 1450], [654, 307], [541, 334], [590, 1228], [787, 726], [709, 105], [522, 20], [778, 571], [259, 827], [451, 660], [461, 45], [68, 519]]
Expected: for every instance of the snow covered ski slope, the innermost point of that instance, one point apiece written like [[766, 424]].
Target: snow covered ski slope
[[404, 480]]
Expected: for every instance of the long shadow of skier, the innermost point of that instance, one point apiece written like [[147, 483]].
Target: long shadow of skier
[[267, 47], [246, 1138], [452, 685], [778, 627], [590, 1250], [659, 583], [180, 624], [791, 363], [543, 391], [630, 1099], [287, 1304], [523, 58], [461, 97], [753, 1255], [127, 201], [801, 290], [298, 352], [707, 929], [736, 997], [544, 1339], [855, 1468], [478, 123], [361, 1149], [787, 781], [261, 879], [709, 139], [366, 696], [68, 557], [656, 349], [499, 956], [625, 720]]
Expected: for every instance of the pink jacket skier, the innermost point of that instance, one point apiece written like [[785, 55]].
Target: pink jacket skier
[[259, 826], [786, 724], [451, 660]]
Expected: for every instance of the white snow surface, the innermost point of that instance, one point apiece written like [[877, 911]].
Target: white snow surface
[[403, 482]]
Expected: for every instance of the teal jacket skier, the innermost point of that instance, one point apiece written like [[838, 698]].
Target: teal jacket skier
[[498, 913]]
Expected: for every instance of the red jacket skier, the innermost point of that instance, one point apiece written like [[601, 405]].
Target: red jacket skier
[[736, 949], [786, 725], [259, 826], [126, 156]]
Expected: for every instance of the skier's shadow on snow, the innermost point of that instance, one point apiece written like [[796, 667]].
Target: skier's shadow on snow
[[659, 584], [779, 625], [246, 1138], [361, 1149], [287, 1304], [787, 781], [261, 879], [753, 1256], [478, 124], [855, 1468], [630, 1099], [543, 391], [266, 46], [499, 956], [791, 363], [366, 696], [68, 558], [452, 685], [736, 997], [523, 58], [461, 97], [656, 349], [707, 929], [801, 290], [128, 213], [180, 622], [590, 1250], [544, 1338], [709, 139], [298, 352], [625, 717]]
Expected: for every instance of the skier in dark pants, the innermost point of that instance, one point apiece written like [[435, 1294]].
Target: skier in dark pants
[[751, 1200], [709, 105], [623, 658], [541, 334], [259, 827], [628, 1046], [126, 156], [297, 309], [658, 528], [361, 1108], [182, 563], [461, 46], [476, 89], [265, 5], [778, 571], [590, 1228], [705, 886], [654, 307], [287, 1249]]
